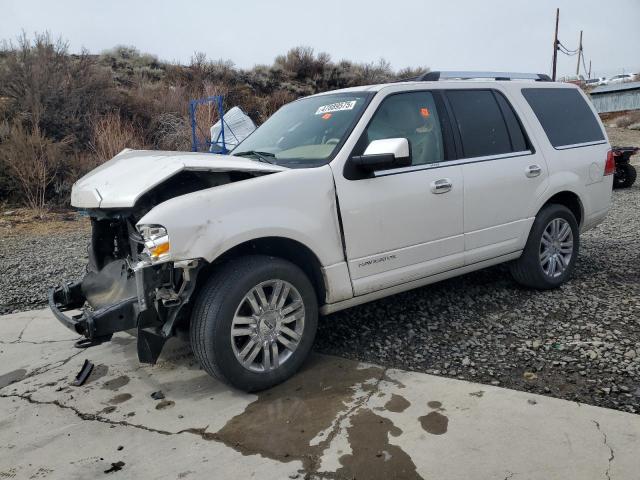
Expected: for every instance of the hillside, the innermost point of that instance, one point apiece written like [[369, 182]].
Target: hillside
[[63, 114]]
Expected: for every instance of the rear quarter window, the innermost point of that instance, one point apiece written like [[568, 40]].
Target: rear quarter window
[[564, 115], [482, 126]]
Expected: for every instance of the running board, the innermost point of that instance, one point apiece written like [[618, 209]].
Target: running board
[[403, 287]]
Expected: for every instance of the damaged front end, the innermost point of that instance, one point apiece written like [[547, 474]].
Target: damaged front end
[[135, 280], [128, 286]]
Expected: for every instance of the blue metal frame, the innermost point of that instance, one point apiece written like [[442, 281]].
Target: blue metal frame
[[195, 144]]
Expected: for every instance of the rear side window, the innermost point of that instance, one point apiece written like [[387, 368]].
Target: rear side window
[[564, 115], [482, 126]]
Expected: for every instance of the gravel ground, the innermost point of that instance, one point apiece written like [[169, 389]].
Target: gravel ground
[[35, 258], [580, 342]]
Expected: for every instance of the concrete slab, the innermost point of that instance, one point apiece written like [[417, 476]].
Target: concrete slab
[[335, 419]]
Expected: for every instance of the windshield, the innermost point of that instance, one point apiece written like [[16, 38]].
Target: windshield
[[306, 132]]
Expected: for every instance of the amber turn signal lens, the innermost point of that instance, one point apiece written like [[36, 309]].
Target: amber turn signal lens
[[159, 250]]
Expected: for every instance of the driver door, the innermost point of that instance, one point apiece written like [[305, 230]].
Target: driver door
[[406, 223]]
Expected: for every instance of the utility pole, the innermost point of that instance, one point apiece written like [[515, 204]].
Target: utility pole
[[555, 47], [589, 69], [579, 54]]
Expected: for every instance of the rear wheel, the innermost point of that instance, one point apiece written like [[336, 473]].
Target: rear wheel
[[254, 322], [551, 250], [625, 176]]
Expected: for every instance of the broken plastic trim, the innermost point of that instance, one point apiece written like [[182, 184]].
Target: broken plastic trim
[[83, 374], [153, 310]]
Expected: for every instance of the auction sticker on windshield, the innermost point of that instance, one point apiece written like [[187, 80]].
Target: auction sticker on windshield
[[336, 107]]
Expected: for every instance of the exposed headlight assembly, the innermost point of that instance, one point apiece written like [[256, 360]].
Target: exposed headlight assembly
[[156, 242]]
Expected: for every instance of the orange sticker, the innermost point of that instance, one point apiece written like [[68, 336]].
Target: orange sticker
[[326, 116], [424, 112]]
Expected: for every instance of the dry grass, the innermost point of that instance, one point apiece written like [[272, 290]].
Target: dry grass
[[629, 120], [622, 137], [32, 161], [25, 221], [112, 134]]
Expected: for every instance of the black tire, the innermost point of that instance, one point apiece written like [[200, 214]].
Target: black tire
[[527, 270], [625, 176], [216, 305]]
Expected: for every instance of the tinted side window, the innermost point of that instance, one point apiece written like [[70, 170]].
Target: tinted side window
[[480, 121], [564, 115], [412, 116]]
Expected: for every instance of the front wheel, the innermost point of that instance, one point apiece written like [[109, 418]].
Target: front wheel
[[254, 322], [551, 250]]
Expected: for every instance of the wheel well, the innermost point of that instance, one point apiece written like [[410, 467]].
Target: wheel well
[[280, 247], [569, 200]]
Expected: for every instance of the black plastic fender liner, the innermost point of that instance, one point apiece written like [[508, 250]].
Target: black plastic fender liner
[[150, 345]]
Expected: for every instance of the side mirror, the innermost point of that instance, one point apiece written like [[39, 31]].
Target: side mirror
[[384, 154]]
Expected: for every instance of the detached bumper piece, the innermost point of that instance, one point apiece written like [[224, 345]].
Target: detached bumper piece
[[119, 298], [96, 325]]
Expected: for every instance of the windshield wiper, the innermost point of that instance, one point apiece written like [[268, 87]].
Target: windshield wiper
[[261, 156]]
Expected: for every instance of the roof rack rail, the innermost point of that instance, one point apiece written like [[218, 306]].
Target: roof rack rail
[[462, 75]]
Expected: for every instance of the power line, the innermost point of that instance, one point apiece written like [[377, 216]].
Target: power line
[[566, 50], [558, 46]]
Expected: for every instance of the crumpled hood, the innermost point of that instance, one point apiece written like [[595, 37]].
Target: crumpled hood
[[121, 181]]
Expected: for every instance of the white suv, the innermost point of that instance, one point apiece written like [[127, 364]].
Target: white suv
[[338, 199]]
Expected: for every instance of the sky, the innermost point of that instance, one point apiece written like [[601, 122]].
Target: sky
[[497, 35]]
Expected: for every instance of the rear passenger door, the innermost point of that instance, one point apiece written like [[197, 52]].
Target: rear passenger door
[[503, 175]]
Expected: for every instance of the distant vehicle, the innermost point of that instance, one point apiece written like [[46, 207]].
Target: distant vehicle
[[594, 82], [622, 78], [575, 79], [338, 199]]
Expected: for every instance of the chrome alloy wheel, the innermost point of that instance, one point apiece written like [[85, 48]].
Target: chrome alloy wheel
[[267, 326], [556, 247]]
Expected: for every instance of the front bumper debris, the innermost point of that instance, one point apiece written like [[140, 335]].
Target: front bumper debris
[[93, 324], [120, 298]]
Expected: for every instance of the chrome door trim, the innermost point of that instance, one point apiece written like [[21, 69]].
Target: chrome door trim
[[450, 163], [579, 145]]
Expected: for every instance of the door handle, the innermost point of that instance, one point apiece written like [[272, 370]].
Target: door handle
[[441, 186], [533, 171]]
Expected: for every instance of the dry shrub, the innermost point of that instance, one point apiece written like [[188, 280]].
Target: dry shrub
[[56, 96], [112, 134], [274, 101], [32, 160], [411, 72], [629, 120], [172, 132], [51, 91], [206, 115], [129, 65], [75, 166], [302, 63]]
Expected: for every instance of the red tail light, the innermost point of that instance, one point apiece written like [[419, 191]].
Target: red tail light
[[610, 166]]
